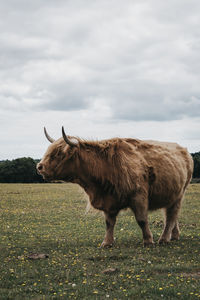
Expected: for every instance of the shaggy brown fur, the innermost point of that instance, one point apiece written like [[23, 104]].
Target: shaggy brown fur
[[120, 173]]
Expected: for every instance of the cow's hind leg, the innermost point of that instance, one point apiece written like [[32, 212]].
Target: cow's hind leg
[[110, 224], [175, 232], [171, 228], [140, 209]]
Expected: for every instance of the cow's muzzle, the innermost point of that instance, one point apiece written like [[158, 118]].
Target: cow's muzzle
[[39, 168]]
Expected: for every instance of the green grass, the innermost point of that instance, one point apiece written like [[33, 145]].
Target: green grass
[[50, 218]]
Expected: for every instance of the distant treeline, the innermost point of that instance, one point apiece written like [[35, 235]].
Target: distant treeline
[[196, 158], [23, 170], [20, 170]]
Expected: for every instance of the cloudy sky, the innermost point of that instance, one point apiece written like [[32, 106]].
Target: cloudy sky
[[101, 68]]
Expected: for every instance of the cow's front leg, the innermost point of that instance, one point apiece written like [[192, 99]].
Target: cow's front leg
[[110, 224]]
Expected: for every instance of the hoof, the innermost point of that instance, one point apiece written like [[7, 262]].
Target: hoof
[[175, 238], [106, 245], [162, 242], [149, 244]]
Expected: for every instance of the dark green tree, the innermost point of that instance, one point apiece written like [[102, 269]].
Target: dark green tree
[[196, 158], [20, 170]]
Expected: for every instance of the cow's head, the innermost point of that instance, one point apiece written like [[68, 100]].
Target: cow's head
[[58, 161]]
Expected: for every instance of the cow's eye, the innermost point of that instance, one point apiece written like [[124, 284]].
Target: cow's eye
[[52, 156]]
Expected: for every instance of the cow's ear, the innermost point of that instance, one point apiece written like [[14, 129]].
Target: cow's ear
[[74, 141], [69, 151]]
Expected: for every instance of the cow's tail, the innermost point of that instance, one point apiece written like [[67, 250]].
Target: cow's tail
[[88, 207]]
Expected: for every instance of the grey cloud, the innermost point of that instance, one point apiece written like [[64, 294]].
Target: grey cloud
[[141, 58], [172, 109]]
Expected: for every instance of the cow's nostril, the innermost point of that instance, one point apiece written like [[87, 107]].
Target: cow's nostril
[[39, 167]]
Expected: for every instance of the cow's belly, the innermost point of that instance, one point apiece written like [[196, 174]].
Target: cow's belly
[[159, 202], [107, 203]]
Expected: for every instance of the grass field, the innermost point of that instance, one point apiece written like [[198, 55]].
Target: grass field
[[50, 219]]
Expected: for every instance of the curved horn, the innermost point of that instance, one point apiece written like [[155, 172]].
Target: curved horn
[[67, 140], [48, 137]]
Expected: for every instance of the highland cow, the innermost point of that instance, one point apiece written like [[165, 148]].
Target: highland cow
[[123, 173]]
